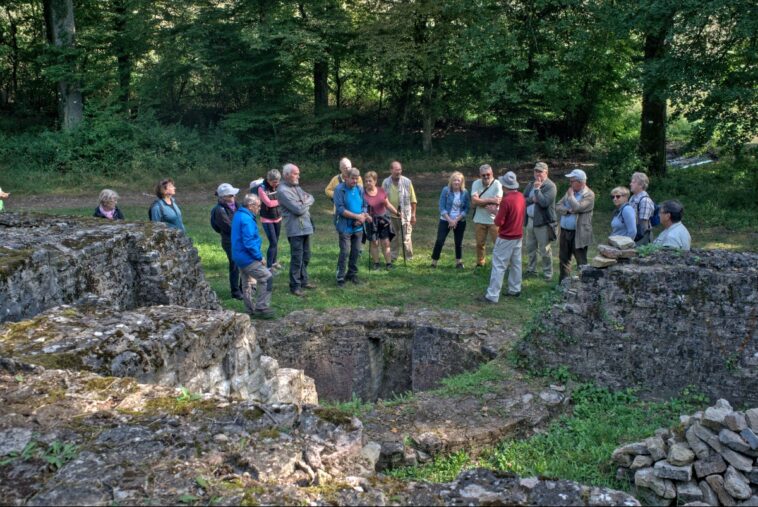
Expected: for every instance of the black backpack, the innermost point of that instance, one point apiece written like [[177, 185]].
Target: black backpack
[[215, 225]]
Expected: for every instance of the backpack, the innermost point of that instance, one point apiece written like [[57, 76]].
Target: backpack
[[150, 209], [215, 225], [655, 218], [254, 185]]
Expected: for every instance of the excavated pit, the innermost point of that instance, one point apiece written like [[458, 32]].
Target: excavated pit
[[379, 354]]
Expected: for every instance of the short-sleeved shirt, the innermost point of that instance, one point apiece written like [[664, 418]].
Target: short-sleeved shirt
[[394, 195], [376, 203], [481, 215]]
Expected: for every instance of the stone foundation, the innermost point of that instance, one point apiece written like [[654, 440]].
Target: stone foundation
[[46, 261], [376, 354], [659, 324]]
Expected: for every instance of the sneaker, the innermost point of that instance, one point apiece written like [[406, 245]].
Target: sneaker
[[237, 296], [298, 292], [548, 278], [513, 294], [277, 265], [389, 265], [459, 265], [485, 299], [310, 286], [433, 265], [376, 266], [340, 284]]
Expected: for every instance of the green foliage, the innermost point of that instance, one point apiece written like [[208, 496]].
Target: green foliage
[[354, 408], [476, 383], [58, 454], [187, 396], [442, 469]]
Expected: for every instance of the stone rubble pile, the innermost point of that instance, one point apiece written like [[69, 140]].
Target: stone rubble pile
[[618, 247], [709, 460]]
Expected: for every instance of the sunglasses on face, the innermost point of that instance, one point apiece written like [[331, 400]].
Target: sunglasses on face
[[616, 196]]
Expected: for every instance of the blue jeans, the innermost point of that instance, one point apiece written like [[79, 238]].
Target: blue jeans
[[350, 247], [272, 233], [300, 256], [234, 272]]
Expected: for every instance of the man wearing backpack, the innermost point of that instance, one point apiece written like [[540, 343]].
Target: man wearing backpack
[[221, 222], [644, 208]]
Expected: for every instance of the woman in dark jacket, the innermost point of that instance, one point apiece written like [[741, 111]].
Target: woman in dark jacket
[[108, 206]]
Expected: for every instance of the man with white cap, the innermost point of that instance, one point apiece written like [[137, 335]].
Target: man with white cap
[[506, 255], [540, 211], [575, 210], [221, 221]]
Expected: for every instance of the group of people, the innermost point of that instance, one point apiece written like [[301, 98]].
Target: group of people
[[384, 216]]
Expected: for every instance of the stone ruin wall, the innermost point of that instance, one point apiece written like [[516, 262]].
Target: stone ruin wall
[[47, 261], [661, 323]]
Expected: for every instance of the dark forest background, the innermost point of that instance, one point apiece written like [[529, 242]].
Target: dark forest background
[[128, 87]]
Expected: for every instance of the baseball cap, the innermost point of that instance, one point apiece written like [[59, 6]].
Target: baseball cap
[[226, 189], [577, 174]]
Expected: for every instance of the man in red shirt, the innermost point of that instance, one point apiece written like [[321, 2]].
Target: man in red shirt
[[506, 255]]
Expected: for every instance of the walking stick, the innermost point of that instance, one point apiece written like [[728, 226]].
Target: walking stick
[[402, 230]]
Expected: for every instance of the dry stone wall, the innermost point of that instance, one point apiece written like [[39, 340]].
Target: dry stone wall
[[660, 324], [710, 459], [46, 261]]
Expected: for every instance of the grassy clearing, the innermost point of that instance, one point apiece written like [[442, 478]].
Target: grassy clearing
[[575, 447]]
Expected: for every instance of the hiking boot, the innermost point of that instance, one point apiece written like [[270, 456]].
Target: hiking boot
[[298, 292], [513, 294], [355, 280], [485, 299], [340, 284], [375, 266], [237, 296], [389, 266], [310, 286], [266, 314], [459, 265]]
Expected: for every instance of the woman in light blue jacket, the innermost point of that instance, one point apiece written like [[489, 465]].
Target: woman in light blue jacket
[[455, 201], [624, 220]]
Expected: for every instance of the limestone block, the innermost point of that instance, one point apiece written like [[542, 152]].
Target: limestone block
[[737, 460], [649, 497], [752, 475], [736, 484], [666, 470], [661, 486], [716, 482], [733, 441], [609, 251], [752, 419], [641, 462], [714, 417], [708, 437], [750, 437], [701, 449], [602, 262], [680, 455], [688, 492], [713, 464], [14, 440], [621, 242], [709, 496], [657, 448], [736, 421]]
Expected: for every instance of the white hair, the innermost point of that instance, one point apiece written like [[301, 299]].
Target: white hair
[[251, 199], [108, 195], [288, 168], [345, 163], [484, 168], [273, 175]]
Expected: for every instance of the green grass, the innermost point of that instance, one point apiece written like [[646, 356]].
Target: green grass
[[483, 380], [577, 447]]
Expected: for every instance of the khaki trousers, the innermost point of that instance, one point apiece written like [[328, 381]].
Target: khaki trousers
[[395, 248], [482, 231], [537, 243]]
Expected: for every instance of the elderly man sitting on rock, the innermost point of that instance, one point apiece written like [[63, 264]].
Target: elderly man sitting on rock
[[675, 234]]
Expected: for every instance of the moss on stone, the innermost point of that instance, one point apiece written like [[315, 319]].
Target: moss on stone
[[63, 361], [334, 415], [11, 260], [172, 405]]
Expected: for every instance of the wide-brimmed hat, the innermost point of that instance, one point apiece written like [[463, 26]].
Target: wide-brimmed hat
[[226, 189], [577, 174], [509, 181]]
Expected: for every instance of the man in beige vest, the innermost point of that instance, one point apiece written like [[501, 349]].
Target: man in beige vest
[[575, 210]]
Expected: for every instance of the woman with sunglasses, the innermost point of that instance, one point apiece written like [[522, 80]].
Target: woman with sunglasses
[[624, 221]]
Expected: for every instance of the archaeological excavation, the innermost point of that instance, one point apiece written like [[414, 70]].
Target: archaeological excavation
[[123, 382]]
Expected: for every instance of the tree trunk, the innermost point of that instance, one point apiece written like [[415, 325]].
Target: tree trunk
[[653, 124], [337, 84], [61, 31], [320, 86], [14, 56], [427, 112], [123, 57]]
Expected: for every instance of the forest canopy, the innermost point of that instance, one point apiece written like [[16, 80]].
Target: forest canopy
[[284, 78]]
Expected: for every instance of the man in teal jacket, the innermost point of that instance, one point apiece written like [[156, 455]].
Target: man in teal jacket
[[246, 253]]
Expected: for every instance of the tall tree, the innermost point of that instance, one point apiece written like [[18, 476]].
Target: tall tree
[[61, 33]]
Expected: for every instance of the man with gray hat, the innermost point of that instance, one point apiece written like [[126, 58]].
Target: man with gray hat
[[486, 193], [575, 210], [506, 255], [540, 212], [221, 222]]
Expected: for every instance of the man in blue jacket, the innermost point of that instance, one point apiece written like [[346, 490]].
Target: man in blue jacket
[[350, 216], [246, 253]]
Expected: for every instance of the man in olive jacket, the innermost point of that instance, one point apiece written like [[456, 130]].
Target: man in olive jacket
[[575, 210], [540, 211]]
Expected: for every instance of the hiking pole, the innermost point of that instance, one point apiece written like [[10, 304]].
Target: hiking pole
[[402, 230]]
